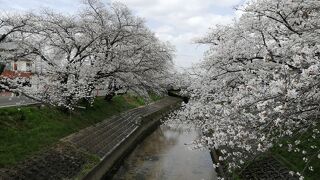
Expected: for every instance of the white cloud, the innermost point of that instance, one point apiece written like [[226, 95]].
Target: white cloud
[[181, 21], [177, 21], [63, 6], [227, 3]]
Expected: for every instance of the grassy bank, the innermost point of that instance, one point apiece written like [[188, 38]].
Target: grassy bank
[[308, 142], [27, 130], [303, 155]]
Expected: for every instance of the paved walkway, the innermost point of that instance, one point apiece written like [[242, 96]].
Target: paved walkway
[[6, 101]]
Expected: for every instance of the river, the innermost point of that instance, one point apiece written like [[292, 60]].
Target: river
[[166, 155]]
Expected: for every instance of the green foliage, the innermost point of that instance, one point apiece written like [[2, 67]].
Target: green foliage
[[27, 130], [294, 160], [155, 97], [92, 161]]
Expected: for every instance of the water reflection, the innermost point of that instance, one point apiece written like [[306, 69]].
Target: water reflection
[[166, 154]]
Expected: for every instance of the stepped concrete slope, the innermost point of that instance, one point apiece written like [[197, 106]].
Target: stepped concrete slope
[[110, 140], [103, 137]]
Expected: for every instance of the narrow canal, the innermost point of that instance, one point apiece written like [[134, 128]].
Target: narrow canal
[[166, 155]]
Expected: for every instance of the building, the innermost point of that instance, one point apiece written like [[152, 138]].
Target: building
[[8, 54], [13, 67]]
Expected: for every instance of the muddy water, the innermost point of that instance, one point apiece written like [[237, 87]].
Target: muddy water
[[166, 155]]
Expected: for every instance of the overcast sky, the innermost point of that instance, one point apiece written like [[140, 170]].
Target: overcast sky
[[176, 21]]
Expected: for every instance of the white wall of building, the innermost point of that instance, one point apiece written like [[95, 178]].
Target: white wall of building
[[23, 66]]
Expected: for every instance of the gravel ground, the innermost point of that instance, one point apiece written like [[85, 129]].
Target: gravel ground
[[61, 162]]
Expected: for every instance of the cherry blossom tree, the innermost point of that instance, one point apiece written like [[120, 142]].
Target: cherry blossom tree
[[99, 47], [60, 46], [11, 25], [261, 80], [129, 56]]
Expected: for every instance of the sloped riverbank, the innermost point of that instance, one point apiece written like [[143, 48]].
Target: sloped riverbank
[[92, 152]]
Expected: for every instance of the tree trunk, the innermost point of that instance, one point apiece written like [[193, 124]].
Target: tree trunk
[[2, 66], [109, 96]]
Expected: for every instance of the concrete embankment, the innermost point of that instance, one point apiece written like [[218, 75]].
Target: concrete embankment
[[113, 139]]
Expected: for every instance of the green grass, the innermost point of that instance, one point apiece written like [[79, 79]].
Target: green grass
[[154, 97], [92, 161], [25, 131], [293, 160]]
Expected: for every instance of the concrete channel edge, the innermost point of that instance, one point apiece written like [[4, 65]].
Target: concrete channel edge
[[110, 162]]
